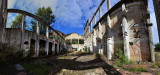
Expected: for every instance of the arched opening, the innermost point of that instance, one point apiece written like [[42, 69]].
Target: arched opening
[[50, 48], [42, 48], [55, 48], [32, 47]]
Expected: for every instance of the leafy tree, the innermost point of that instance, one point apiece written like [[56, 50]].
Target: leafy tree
[[157, 47], [46, 15], [17, 22]]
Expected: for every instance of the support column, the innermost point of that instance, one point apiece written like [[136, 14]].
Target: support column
[[108, 4], [126, 32], [78, 45], [57, 47], [37, 40], [89, 20], [151, 43], [3, 17], [100, 12], [22, 32], [109, 40], [95, 20], [47, 40], [150, 38], [53, 45]]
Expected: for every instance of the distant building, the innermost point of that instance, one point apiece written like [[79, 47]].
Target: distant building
[[75, 41]]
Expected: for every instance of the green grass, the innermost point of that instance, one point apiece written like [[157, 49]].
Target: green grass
[[37, 69], [137, 68], [156, 64]]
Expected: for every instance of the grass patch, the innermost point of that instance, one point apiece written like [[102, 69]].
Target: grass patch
[[37, 69], [136, 68], [156, 64]]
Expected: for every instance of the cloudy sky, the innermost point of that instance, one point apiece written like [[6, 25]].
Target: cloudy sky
[[71, 15]]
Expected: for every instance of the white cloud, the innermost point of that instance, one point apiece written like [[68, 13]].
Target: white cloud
[[72, 13], [11, 3]]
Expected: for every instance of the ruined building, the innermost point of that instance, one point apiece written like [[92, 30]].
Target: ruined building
[[76, 42], [126, 24], [50, 43]]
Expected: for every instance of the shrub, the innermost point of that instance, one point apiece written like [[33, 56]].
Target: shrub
[[121, 59], [8, 54], [156, 64], [98, 55], [87, 49], [64, 51], [157, 47]]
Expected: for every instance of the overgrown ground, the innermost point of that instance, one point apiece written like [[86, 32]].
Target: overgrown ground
[[79, 63]]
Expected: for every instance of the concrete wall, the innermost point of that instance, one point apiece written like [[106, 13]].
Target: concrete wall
[[109, 32]]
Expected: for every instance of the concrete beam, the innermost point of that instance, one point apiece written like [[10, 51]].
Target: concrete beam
[[37, 40], [22, 32]]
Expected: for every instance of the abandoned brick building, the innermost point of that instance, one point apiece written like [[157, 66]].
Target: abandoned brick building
[[127, 22], [22, 39]]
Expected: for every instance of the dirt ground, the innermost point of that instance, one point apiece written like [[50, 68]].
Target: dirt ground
[[78, 63]]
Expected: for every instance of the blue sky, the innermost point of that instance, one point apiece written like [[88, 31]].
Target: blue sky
[[71, 15]]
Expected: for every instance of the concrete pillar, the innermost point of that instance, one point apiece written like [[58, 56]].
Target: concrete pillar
[[150, 38], [47, 40], [110, 41], [90, 24], [53, 45], [22, 32], [108, 4], [95, 21], [151, 43], [126, 32], [37, 40], [3, 17], [58, 47], [100, 12]]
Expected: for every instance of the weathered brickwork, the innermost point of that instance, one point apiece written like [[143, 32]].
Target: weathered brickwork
[[114, 30]]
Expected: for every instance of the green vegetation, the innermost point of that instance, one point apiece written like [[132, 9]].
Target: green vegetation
[[68, 42], [64, 51], [8, 54], [74, 41], [120, 58], [46, 14], [98, 55], [156, 64], [157, 47], [37, 69], [86, 49], [136, 68], [17, 23]]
